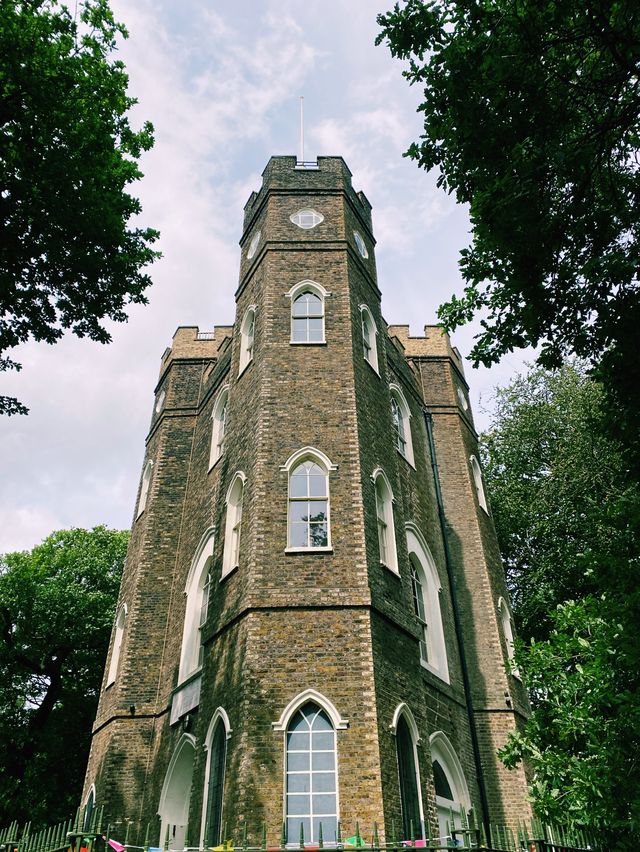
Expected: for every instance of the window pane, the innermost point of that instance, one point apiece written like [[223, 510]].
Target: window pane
[[317, 510], [322, 740], [316, 328], [299, 329], [318, 534], [298, 484], [324, 804], [298, 804], [297, 761], [299, 723], [321, 723], [323, 760], [324, 782], [298, 536], [317, 485], [298, 741], [329, 828], [299, 511], [299, 783], [293, 829]]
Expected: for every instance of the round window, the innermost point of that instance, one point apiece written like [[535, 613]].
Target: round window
[[253, 245], [307, 219], [360, 244]]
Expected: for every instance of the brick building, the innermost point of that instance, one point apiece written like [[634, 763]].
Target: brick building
[[313, 622]]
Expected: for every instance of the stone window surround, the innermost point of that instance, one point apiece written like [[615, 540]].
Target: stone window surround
[[296, 458], [381, 484], [233, 523], [307, 285], [368, 324], [247, 338], [218, 426], [219, 717], [405, 411]]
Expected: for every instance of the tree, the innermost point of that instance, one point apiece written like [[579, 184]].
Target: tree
[[532, 116], [56, 612], [68, 258], [568, 522]]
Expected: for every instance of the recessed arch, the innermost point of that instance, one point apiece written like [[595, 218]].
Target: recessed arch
[[299, 700], [405, 730], [369, 337], [218, 733], [233, 523], [196, 591], [89, 807], [451, 790], [175, 797], [403, 709], [401, 421], [385, 521]]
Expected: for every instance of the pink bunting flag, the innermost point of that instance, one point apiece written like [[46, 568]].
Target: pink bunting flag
[[115, 845]]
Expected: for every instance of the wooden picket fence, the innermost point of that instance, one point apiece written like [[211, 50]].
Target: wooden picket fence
[[85, 833]]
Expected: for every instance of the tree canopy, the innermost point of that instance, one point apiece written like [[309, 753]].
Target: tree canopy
[[568, 522], [68, 256], [532, 116], [57, 606]]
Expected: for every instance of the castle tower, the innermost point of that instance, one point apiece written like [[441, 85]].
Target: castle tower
[[313, 622]]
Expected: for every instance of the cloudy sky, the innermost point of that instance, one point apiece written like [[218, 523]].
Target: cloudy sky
[[221, 81]]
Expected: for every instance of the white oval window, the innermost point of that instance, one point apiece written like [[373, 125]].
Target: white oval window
[[463, 399], [160, 401], [360, 244], [253, 245], [306, 219]]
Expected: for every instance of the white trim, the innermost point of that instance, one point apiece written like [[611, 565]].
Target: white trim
[[307, 210], [397, 393], [403, 709], [220, 714], [417, 545], [92, 789], [114, 662], [476, 471], [308, 452], [186, 740], [389, 520], [147, 476], [506, 623], [442, 751], [239, 474], [306, 284], [373, 363], [300, 699], [232, 520], [204, 549], [190, 645], [246, 357], [222, 402]]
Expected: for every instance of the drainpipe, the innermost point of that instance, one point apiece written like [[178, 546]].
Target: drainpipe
[[484, 804]]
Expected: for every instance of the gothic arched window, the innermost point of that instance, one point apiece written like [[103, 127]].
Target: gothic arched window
[[369, 337], [233, 525], [216, 747], [406, 734], [506, 622], [477, 480], [197, 590], [309, 505], [219, 426], [426, 588], [117, 645], [384, 516], [311, 776], [247, 337], [452, 793], [401, 420], [144, 489]]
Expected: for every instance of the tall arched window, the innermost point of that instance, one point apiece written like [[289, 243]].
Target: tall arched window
[[506, 622], [144, 489], [197, 590], [308, 524], [426, 588], [176, 794], [477, 479], [401, 420], [452, 793], [247, 336], [369, 337], [307, 312], [406, 732], [216, 747], [233, 525], [219, 425], [311, 776], [386, 526], [117, 645]]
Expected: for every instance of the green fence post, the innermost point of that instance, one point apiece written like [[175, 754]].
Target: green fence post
[[320, 841], [375, 841], [283, 836], [301, 834]]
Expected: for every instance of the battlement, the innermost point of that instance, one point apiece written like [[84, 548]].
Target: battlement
[[284, 174], [435, 343], [189, 342]]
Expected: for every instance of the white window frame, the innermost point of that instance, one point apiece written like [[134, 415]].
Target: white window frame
[[506, 622], [196, 587], [147, 476], [477, 481], [369, 327], [218, 426], [324, 462], [385, 522], [308, 286], [169, 803], [219, 717], [297, 218], [405, 411], [433, 626], [442, 751], [253, 245], [233, 523], [121, 621], [361, 245], [247, 338]]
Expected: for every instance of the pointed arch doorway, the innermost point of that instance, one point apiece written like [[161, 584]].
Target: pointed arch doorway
[[176, 794]]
